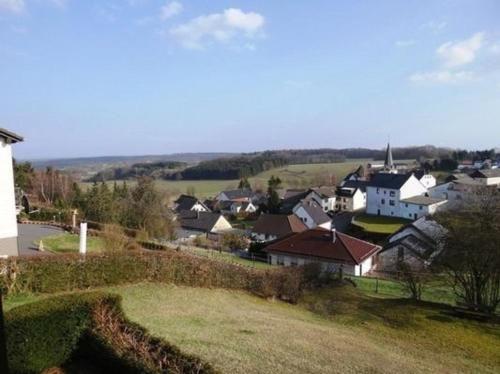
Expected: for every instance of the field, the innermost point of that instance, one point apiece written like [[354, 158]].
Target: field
[[67, 243], [295, 176], [334, 330], [379, 224]]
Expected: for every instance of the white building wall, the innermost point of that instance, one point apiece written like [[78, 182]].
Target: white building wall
[[221, 225], [358, 201], [8, 221], [428, 180]]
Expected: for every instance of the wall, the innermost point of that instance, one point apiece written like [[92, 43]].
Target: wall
[[327, 266], [8, 221], [221, 225]]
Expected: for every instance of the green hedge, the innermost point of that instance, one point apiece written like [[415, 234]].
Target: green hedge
[[50, 274], [89, 327]]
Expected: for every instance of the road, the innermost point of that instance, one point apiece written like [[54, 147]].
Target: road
[[28, 234]]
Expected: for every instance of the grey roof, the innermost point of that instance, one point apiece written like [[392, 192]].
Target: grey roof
[[355, 184], [186, 202], [422, 200], [324, 191], [10, 136], [315, 211], [486, 173], [388, 163], [200, 221], [240, 193], [391, 181]]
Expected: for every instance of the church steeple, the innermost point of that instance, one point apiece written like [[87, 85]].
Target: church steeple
[[389, 163]]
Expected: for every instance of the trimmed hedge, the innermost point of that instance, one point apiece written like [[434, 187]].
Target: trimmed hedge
[[89, 327], [50, 274]]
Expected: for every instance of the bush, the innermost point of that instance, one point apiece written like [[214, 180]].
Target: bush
[[52, 332], [51, 214], [69, 272]]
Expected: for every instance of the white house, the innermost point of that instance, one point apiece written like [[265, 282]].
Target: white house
[[415, 244], [351, 196], [186, 202], [194, 223], [390, 195], [8, 221], [241, 195], [428, 180], [333, 250], [246, 207], [489, 177], [312, 214], [324, 196]]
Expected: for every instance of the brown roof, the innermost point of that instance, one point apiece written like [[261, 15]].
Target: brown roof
[[278, 224], [319, 243]]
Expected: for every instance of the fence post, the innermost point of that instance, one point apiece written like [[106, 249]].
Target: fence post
[[376, 285], [4, 367]]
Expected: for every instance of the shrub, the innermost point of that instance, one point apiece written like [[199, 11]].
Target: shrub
[[51, 332], [114, 238], [69, 272]]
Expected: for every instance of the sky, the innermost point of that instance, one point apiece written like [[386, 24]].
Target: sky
[[130, 77]]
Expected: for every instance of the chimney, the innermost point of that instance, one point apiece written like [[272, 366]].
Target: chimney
[[333, 232]]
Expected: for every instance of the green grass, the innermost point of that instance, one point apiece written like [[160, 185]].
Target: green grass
[[379, 224], [227, 257], [303, 175], [68, 243], [333, 330]]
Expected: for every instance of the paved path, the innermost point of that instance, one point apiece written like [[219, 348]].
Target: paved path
[[28, 234]]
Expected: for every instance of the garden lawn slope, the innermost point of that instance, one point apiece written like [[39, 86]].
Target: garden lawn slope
[[339, 330]]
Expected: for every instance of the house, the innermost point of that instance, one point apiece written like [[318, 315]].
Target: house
[[324, 196], [456, 191], [312, 214], [186, 202], [8, 221], [488, 177], [415, 244], [332, 249], [291, 198], [240, 195], [351, 196], [391, 195], [276, 226], [194, 223], [428, 180], [246, 207], [357, 175]]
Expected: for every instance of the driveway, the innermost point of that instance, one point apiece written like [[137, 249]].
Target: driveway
[[28, 234]]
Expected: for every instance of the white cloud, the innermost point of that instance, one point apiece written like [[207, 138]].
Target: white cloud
[[218, 27], [170, 10], [14, 6], [443, 76], [405, 43], [454, 54]]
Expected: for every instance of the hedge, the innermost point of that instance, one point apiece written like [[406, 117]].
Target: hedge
[[69, 272], [89, 327]]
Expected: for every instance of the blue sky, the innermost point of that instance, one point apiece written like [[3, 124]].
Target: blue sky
[[119, 77]]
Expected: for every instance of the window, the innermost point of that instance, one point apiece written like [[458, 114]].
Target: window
[[420, 207], [383, 201], [392, 193], [385, 192], [280, 260], [293, 261], [378, 190], [392, 203], [406, 205]]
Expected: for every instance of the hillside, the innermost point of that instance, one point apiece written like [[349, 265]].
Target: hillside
[[333, 331]]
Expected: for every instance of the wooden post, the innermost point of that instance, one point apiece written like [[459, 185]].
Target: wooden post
[[4, 367], [376, 285]]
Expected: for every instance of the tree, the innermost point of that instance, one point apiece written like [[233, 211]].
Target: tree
[[23, 175], [244, 183], [273, 202], [471, 250], [413, 280]]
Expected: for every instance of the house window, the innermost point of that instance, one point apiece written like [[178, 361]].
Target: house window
[[385, 192], [420, 207], [409, 215], [383, 201], [392, 203], [294, 261], [392, 193], [378, 190], [406, 205], [280, 260]]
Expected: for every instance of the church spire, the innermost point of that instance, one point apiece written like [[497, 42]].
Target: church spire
[[389, 163]]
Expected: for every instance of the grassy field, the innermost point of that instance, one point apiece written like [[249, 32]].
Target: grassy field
[[67, 243], [227, 257], [379, 224], [334, 330], [292, 176]]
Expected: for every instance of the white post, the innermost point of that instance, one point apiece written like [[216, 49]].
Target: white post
[[83, 238]]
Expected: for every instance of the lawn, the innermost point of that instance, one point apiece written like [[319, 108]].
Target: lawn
[[67, 243], [226, 257], [379, 224], [334, 330]]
